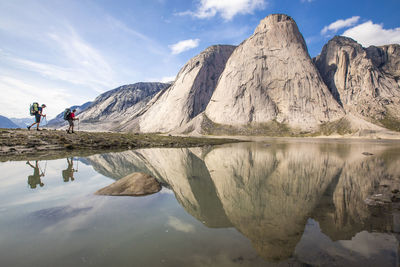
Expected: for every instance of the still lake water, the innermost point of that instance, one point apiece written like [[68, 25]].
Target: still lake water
[[285, 203]]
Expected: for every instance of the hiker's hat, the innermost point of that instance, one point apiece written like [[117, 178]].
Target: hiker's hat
[[43, 105]]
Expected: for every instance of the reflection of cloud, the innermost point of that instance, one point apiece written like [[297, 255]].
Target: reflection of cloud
[[81, 215], [56, 214], [179, 225], [365, 249], [165, 190]]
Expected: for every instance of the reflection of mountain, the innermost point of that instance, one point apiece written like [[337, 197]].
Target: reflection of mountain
[[118, 165], [191, 181], [268, 192], [349, 214]]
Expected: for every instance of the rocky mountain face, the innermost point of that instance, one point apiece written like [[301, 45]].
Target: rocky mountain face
[[270, 77], [109, 109], [7, 123], [268, 85], [364, 81], [189, 94]]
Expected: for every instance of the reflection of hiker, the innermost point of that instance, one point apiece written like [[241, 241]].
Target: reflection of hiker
[[34, 180], [38, 113], [71, 118], [69, 172]]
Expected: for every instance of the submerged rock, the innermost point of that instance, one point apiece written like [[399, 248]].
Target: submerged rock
[[134, 184]]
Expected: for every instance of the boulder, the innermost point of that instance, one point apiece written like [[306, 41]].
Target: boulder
[[134, 184]]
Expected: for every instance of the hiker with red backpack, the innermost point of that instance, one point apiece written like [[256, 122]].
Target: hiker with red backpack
[[36, 111], [70, 117]]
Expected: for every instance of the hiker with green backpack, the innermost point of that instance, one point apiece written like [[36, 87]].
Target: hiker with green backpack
[[36, 111]]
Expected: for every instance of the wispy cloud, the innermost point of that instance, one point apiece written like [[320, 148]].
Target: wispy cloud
[[226, 8], [184, 45], [86, 64], [151, 45], [83, 66], [307, 1], [339, 24], [22, 93], [369, 33]]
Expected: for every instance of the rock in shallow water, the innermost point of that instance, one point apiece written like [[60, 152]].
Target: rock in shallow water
[[134, 184]]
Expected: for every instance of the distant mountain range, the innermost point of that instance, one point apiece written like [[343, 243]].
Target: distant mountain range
[[22, 122], [7, 123], [268, 85]]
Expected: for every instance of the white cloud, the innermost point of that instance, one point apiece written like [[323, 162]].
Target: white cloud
[[339, 24], [227, 8], [369, 33], [184, 45], [168, 79], [306, 1]]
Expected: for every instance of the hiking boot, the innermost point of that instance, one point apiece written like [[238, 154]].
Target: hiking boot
[[73, 132], [29, 128], [39, 130], [67, 131]]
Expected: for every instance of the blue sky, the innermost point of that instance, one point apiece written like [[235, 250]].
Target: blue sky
[[67, 52]]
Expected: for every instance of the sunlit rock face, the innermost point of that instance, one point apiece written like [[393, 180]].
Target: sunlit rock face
[[111, 108], [365, 81], [270, 76], [189, 94]]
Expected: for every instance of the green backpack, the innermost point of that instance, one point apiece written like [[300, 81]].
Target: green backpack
[[34, 108]]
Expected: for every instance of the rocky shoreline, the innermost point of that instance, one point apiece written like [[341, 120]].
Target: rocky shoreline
[[23, 144]]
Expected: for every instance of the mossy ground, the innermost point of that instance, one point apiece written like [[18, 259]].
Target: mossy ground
[[272, 128], [341, 127], [390, 122], [276, 129]]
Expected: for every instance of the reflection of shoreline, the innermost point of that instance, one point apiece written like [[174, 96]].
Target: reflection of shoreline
[[268, 192]]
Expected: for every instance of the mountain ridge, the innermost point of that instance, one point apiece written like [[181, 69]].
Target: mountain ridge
[[267, 85]]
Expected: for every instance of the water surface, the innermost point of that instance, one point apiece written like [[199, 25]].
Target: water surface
[[249, 204]]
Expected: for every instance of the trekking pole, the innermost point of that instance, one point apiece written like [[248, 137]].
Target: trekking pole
[[45, 167], [40, 168]]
